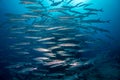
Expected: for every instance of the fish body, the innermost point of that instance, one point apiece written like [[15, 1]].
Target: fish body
[[42, 49], [28, 2], [46, 39], [56, 3], [94, 21], [92, 9], [27, 70]]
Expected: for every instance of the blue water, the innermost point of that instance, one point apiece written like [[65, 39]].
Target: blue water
[[111, 12]]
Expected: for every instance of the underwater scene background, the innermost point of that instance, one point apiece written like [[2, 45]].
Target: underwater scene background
[[59, 40]]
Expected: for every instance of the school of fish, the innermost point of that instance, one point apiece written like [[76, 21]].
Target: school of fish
[[50, 41]]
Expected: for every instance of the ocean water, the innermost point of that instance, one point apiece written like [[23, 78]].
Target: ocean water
[[63, 41]]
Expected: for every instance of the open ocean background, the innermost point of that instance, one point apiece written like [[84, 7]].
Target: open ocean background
[[111, 12]]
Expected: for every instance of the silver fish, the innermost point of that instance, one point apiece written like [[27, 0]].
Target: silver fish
[[42, 50], [68, 45], [66, 39], [26, 70], [46, 39], [54, 62], [92, 9]]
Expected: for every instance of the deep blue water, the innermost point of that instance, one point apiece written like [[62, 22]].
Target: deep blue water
[[111, 12]]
